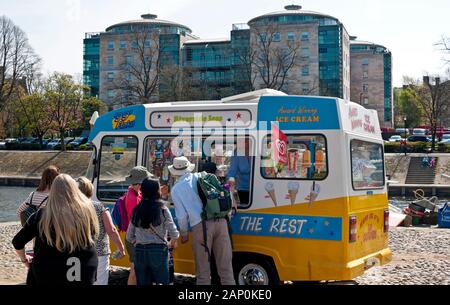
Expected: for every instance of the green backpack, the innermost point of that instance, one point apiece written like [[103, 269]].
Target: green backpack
[[216, 199]]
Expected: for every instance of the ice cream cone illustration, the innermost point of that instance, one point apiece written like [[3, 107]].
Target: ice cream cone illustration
[[293, 191], [314, 193], [270, 189]]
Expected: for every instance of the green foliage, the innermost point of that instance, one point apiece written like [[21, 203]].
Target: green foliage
[[88, 106], [410, 108]]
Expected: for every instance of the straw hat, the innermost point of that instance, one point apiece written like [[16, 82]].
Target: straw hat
[[181, 166]]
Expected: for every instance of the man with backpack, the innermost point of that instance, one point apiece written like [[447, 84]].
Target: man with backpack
[[206, 219]]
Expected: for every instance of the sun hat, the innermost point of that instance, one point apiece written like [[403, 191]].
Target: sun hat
[[181, 166], [138, 174]]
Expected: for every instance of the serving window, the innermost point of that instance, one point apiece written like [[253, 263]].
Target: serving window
[[306, 158], [204, 152]]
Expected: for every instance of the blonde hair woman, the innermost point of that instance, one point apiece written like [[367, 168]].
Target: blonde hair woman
[[107, 229], [65, 232]]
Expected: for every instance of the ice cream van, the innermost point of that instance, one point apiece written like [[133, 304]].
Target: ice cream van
[[317, 206]]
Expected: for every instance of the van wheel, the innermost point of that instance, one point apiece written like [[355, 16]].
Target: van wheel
[[256, 272]]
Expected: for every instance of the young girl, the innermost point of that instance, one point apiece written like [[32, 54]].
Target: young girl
[[151, 224], [39, 197]]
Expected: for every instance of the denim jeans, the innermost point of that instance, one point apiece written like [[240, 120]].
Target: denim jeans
[[151, 264]]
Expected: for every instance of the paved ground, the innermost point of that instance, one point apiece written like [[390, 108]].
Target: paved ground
[[421, 256]]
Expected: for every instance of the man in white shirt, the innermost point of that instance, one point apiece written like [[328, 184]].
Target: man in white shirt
[[188, 210]]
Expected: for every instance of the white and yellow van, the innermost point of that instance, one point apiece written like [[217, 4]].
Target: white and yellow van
[[321, 216]]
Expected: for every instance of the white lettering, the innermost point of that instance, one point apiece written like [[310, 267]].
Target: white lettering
[[258, 227], [274, 225], [301, 222], [74, 272], [251, 224], [243, 221], [292, 226], [283, 226]]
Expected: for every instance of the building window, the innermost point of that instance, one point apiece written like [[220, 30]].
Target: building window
[[305, 36], [365, 74], [365, 61], [110, 60], [290, 36], [147, 44], [263, 37], [305, 88], [110, 45], [110, 76], [305, 71], [123, 44], [134, 44], [129, 60], [110, 93], [304, 52], [276, 37], [365, 88], [366, 100]]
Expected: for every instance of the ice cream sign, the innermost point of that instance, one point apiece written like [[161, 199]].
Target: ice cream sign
[[361, 120], [306, 227], [168, 119]]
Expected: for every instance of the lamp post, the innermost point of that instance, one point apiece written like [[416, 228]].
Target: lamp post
[[404, 141], [206, 71]]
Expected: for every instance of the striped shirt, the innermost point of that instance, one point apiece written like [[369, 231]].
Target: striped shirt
[[38, 198]]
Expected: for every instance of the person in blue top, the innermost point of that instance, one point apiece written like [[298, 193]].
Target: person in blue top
[[238, 175]]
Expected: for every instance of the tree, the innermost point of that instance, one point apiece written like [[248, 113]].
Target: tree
[[444, 45], [65, 97], [16, 59], [172, 83], [434, 101], [408, 106], [37, 111], [271, 61], [88, 106], [141, 69]]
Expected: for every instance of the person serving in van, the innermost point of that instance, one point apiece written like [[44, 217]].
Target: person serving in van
[[239, 173]]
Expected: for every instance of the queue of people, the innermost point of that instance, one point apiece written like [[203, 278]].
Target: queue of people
[[71, 232]]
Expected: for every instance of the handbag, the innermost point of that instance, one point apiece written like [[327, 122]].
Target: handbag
[[30, 210]]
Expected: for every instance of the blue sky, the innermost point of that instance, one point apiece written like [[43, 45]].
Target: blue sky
[[56, 28]]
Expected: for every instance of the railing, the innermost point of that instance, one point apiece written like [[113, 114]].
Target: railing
[[92, 35], [240, 26]]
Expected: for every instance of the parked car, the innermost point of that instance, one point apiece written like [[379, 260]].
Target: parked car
[[395, 138], [66, 141], [419, 138], [419, 131], [445, 137], [402, 130], [53, 143], [78, 141], [7, 142]]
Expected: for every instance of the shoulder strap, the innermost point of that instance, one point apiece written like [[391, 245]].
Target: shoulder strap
[[45, 199], [156, 233], [31, 199]]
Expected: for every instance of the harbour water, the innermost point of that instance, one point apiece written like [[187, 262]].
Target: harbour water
[[12, 197]]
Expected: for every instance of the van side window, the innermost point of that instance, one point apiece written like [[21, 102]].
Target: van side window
[[367, 165], [306, 159], [203, 152], [118, 155]]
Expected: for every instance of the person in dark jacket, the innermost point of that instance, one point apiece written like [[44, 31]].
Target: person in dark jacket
[[65, 232]]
